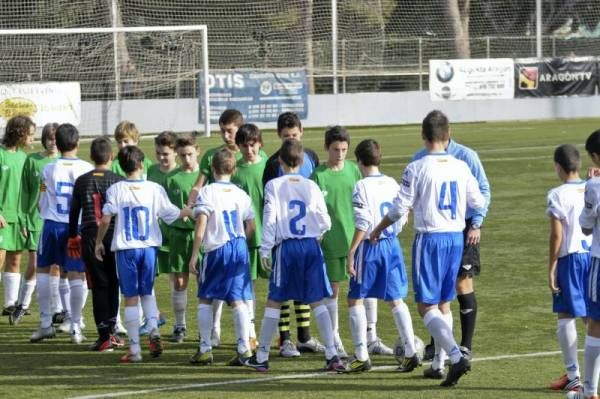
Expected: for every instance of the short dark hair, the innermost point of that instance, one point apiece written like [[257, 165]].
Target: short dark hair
[[368, 152], [67, 137], [130, 158], [435, 126], [166, 138], [336, 133], [246, 133], [231, 116], [49, 130], [101, 150], [223, 162], [16, 131], [288, 120], [291, 153], [185, 141], [592, 144]]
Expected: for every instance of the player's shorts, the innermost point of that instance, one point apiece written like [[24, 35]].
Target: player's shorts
[[380, 271], [12, 238], [337, 269], [572, 275], [163, 251], [33, 239], [225, 273], [178, 258], [136, 270], [52, 248], [470, 265], [256, 268], [100, 273], [436, 258], [298, 272], [593, 290]]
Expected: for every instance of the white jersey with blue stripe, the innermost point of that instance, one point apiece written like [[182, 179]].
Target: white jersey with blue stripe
[[565, 203], [372, 199], [590, 215], [438, 188], [138, 205], [227, 207], [57, 182]]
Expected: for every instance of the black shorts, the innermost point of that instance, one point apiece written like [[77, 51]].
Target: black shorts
[[471, 263], [100, 274]]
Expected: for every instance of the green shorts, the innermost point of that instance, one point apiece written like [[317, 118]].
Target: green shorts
[[12, 238], [337, 269], [181, 242], [33, 239], [256, 269]]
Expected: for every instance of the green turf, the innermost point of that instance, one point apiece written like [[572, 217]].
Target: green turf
[[514, 302]]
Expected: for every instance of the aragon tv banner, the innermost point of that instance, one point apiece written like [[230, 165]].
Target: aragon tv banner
[[555, 77]]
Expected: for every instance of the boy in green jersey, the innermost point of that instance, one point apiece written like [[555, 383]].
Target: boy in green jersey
[[336, 179], [126, 133], [248, 176], [181, 232], [19, 133]]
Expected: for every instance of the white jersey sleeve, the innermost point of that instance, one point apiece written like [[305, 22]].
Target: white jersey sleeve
[[589, 215], [166, 211], [566, 203]]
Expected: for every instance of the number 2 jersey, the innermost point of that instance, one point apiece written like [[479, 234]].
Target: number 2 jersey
[[565, 203], [57, 182], [138, 205]]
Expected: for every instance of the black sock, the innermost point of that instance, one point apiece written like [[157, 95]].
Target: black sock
[[284, 323], [302, 321], [468, 315]]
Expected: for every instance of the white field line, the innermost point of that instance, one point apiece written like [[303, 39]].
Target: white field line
[[284, 377]]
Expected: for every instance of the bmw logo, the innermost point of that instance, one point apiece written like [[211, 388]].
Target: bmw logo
[[445, 72]]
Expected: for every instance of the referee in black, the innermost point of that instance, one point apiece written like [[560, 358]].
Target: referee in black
[[89, 195]]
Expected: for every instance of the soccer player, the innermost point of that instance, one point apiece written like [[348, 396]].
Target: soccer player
[[126, 133], [438, 188], [57, 181], [470, 263], [336, 179], [138, 204], [29, 204], [568, 260], [181, 233], [224, 218], [19, 133], [248, 176], [377, 269], [295, 216], [290, 127], [89, 194]]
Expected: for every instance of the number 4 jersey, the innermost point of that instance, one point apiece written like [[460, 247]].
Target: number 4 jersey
[[138, 204]]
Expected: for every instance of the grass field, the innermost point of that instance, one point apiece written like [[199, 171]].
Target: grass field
[[515, 348]]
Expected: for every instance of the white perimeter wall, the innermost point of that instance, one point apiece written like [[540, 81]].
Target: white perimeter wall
[[361, 109]]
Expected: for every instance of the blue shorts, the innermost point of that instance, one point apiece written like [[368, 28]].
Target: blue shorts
[[436, 258], [380, 271], [52, 248], [593, 290], [572, 276], [136, 269], [225, 273], [299, 272]]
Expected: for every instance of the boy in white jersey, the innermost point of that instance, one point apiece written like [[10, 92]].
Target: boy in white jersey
[[568, 260], [377, 269], [138, 205], [294, 217], [57, 181], [437, 188], [590, 224], [224, 218]]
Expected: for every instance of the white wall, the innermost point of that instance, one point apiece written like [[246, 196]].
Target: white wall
[[361, 109]]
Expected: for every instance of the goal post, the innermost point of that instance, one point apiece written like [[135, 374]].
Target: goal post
[[146, 61]]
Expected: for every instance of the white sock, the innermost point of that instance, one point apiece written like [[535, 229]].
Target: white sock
[[267, 330], [205, 324], [76, 297], [43, 293], [241, 323], [86, 291], [371, 310], [55, 303], [179, 306], [358, 330], [150, 312], [566, 332], [591, 365], [140, 312], [65, 296], [27, 292], [405, 328], [442, 334], [217, 306], [12, 283], [332, 308], [324, 323], [251, 315], [132, 324]]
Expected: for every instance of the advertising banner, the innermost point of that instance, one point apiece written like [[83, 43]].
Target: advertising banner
[[259, 95], [471, 79], [555, 77]]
